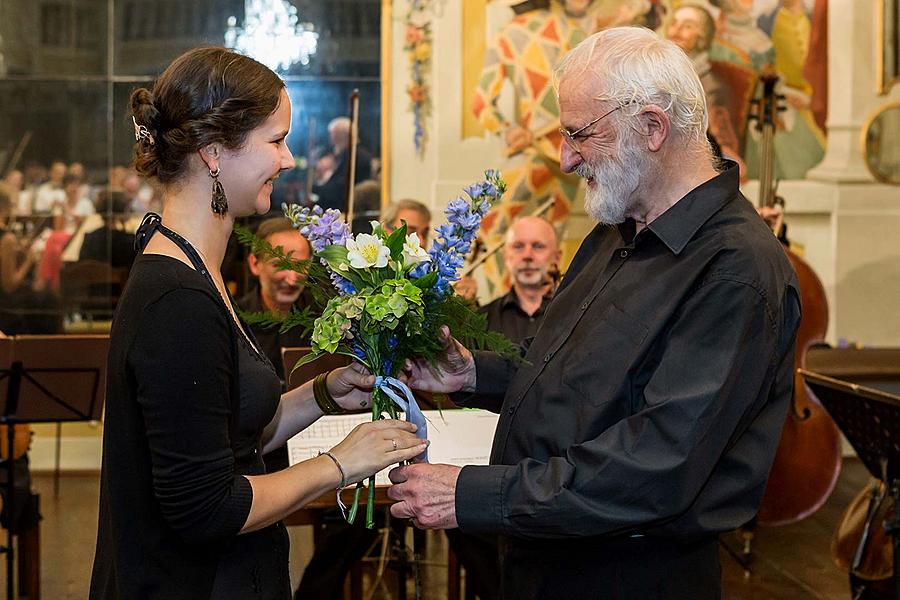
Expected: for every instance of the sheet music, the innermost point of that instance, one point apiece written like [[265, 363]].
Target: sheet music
[[458, 437]]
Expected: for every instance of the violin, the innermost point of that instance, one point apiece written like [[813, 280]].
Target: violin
[[808, 460]]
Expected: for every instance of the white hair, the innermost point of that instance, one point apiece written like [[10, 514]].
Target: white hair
[[637, 68], [339, 124]]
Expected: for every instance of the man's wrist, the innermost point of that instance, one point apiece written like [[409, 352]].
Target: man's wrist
[[470, 377]]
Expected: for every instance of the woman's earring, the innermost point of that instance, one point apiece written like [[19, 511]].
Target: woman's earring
[[219, 202]]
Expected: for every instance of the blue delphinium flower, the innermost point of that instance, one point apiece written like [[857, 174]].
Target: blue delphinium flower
[[455, 238], [343, 286], [321, 228]]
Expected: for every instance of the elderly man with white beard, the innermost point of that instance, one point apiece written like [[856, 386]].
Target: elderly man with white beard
[[647, 413]]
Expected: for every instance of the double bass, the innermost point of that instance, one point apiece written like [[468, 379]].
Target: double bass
[[808, 460]]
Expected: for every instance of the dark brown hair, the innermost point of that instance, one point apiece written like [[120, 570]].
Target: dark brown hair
[[207, 95], [275, 225]]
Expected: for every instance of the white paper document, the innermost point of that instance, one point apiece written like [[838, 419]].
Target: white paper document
[[458, 437]]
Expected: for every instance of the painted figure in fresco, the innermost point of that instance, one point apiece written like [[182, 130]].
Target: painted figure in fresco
[[728, 86], [523, 54], [799, 141], [738, 39]]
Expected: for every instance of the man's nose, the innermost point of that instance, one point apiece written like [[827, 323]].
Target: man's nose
[[568, 158]]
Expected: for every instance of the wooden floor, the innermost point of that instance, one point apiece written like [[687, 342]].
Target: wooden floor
[[791, 562]]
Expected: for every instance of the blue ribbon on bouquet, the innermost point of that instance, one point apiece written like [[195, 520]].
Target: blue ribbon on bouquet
[[390, 386]]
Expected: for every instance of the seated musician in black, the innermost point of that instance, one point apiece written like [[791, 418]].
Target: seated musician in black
[[531, 256], [277, 290], [110, 243]]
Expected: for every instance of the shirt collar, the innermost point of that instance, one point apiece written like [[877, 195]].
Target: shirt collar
[[511, 299], [680, 222]]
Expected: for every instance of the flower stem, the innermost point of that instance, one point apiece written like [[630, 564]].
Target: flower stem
[[370, 504]]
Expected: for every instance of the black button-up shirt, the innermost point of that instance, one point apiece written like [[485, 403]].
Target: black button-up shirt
[[269, 339], [505, 315], [653, 395]]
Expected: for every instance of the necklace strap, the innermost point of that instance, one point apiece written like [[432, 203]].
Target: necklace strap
[[153, 222]]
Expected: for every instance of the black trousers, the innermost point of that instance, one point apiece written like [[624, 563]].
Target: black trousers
[[627, 569], [478, 555]]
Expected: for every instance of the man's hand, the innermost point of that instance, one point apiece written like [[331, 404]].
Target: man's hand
[[454, 372], [351, 386], [426, 494], [517, 139], [772, 215], [466, 287]]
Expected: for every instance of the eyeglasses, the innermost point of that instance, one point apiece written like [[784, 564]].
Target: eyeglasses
[[574, 138]]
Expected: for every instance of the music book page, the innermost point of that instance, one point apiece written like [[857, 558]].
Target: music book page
[[458, 437]]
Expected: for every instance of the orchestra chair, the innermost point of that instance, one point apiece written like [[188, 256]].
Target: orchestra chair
[[91, 288]]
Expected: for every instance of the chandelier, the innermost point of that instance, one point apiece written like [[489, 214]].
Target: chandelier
[[272, 34]]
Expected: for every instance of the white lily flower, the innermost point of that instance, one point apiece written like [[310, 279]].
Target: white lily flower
[[413, 252], [367, 251]]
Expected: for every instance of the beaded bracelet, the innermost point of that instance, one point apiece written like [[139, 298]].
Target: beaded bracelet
[[337, 463], [323, 397]]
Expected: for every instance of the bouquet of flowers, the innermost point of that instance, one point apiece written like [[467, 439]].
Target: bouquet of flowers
[[386, 299]]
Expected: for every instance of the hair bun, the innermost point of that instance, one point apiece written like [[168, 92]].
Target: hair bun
[[143, 109], [146, 160]]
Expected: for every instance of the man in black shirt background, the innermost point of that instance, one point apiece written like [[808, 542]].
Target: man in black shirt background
[[332, 193], [647, 413], [277, 291], [531, 256]]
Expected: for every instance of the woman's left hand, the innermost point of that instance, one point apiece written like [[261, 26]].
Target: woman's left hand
[[351, 386]]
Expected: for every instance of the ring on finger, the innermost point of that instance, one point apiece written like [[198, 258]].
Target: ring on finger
[[394, 444]]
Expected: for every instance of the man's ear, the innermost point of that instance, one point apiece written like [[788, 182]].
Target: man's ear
[[254, 265], [656, 126]]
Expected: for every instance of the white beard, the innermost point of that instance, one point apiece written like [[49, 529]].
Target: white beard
[[615, 182]]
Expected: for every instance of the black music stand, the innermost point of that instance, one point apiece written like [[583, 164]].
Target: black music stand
[[870, 420], [49, 379]]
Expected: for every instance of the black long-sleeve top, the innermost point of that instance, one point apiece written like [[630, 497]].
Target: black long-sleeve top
[[187, 399], [653, 395]]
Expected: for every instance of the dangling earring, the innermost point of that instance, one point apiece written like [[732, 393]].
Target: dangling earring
[[219, 202]]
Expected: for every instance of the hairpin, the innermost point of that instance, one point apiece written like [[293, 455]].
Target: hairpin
[[142, 133]]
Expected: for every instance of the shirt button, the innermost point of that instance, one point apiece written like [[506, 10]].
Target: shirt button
[[547, 358], [512, 409], [584, 306], [255, 451], [624, 253]]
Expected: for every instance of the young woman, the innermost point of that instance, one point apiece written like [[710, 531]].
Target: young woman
[[186, 508]]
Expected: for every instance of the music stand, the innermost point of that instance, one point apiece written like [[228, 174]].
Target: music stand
[[870, 420], [60, 378]]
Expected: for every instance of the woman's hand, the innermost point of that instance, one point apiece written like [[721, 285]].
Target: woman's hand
[[351, 386], [370, 447], [454, 372]]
